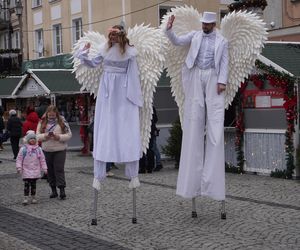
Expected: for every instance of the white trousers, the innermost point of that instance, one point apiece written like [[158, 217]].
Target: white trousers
[[202, 160], [131, 169]]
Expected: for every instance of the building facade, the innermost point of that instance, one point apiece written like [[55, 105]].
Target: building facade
[[54, 26], [283, 20]]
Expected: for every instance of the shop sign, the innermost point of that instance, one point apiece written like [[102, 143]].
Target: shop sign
[[269, 98]]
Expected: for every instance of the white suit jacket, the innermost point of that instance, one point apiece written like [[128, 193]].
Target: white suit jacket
[[194, 38]]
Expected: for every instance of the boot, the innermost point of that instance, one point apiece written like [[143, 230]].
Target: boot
[[62, 194], [54, 192], [25, 201]]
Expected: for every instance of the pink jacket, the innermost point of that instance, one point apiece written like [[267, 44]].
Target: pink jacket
[[30, 161]]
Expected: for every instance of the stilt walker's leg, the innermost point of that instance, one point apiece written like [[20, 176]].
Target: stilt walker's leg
[[194, 212], [223, 212], [134, 220], [94, 218], [99, 174], [131, 171]]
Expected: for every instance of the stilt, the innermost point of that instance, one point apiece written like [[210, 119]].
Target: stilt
[[223, 212], [194, 213], [94, 219], [134, 221]]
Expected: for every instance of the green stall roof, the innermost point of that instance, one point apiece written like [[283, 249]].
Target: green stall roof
[[286, 55], [7, 85], [59, 81]]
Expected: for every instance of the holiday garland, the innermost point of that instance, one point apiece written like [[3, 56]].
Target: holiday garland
[[286, 83], [245, 4]]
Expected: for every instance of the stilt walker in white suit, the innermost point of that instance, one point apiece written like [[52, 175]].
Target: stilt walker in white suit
[[205, 72], [123, 73], [201, 168]]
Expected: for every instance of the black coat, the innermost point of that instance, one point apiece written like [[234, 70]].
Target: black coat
[[1, 124], [14, 126]]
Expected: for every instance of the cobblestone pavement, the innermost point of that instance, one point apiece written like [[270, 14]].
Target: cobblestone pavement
[[262, 213]]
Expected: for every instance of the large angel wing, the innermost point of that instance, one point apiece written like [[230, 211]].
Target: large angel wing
[[89, 78], [246, 34], [187, 19], [151, 46]]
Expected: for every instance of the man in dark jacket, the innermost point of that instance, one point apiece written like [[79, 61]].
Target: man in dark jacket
[[14, 126]]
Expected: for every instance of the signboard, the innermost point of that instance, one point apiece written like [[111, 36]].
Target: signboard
[[269, 98]]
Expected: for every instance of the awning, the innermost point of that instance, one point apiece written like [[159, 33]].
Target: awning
[[43, 82], [8, 84], [284, 54]]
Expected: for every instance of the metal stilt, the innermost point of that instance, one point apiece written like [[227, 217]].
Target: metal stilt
[[134, 221], [223, 212], [194, 212], [94, 219]]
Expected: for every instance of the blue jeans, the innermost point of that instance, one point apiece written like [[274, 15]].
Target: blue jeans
[[156, 152]]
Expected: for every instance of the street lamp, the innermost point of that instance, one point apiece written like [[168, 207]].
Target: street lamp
[[19, 9]]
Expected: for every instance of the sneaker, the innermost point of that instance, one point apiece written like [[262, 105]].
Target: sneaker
[[33, 200], [110, 174], [25, 201]]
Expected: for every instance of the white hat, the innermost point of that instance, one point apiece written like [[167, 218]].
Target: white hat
[[12, 112], [209, 17], [30, 135]]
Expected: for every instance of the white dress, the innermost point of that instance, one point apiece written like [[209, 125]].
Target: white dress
[[117, 123]]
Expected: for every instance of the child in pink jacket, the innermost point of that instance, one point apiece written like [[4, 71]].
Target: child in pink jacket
[[30, 162]]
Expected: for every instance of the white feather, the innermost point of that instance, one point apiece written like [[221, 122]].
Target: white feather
[[245, 32], [151, 46]]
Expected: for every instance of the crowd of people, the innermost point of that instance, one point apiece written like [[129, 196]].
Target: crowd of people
[[42, 153]]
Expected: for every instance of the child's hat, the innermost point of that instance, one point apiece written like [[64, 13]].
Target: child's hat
[[30, 135]]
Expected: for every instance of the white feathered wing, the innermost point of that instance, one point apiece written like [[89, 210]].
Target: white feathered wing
[[89, 78], [246, 35], [245, 32], [187, 19], [151, 46]]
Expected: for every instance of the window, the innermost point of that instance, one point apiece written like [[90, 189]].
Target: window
[[16, 41], [36, 3], [57, 39], [77, 29], [39, 43], [6, 40], [163, 10]]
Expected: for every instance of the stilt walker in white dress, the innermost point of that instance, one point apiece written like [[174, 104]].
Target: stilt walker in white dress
[[203, 64], [123, 73]]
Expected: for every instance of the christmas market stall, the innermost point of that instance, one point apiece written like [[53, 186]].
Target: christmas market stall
[[266, 134]]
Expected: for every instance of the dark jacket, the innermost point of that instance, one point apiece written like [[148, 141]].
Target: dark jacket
[[153, 122], [1, 124], [14, 126]]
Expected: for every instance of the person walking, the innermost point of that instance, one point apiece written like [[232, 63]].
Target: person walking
[[204, 78], [31, 122], [30, 162], [14, 127], [54, 132]]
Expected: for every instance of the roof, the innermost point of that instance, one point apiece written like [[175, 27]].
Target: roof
[[7, 85], [58, 81], [285, 54]]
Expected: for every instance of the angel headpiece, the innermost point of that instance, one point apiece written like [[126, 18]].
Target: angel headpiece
[[245, 32], [151, 47]]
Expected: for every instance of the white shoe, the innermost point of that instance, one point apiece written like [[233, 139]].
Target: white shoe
[[33, 200], [109, 174], [25, 201]]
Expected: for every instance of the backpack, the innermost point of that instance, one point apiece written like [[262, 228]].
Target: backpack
[[24, 152]]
